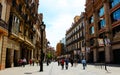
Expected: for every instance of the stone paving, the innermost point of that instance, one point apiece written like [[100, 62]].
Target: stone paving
[[54, 69]]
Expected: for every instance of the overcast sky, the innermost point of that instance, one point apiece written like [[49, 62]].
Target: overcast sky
[[58, 16]]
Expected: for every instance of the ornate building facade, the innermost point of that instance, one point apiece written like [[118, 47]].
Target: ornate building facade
[[103, 22], [4, 16], [38, 38], [17, 31], [75, 38]]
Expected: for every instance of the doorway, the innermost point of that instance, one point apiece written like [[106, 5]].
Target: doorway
[[8, 58]]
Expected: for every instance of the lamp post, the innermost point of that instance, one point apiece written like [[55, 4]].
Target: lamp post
[[42, 28], [104, 50]]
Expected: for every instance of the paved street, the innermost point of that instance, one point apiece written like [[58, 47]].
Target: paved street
[[54, 69]]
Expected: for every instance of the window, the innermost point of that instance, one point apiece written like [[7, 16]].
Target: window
[[91, 20], [113, 3], [101, 11], [101, 24], [15, 24], [0, 10], [91, 42], [92, 30], [13, 2], [115, 15], [116, 31]]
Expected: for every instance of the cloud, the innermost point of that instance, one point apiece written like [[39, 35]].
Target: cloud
[[58, 17]]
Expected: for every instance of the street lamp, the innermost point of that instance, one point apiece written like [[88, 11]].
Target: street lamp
[[104, 38], [42, 28]]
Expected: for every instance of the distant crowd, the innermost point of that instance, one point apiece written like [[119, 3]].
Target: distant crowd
[[63, 62], [23, 62]]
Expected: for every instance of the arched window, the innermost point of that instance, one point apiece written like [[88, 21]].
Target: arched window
[[0, 10]]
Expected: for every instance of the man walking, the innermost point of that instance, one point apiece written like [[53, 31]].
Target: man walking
[[84, 63]]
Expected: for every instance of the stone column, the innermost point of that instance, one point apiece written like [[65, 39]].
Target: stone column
[[3, 52], [95, 51]]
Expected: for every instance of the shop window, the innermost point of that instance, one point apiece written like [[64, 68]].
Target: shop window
[[101, 11], [115, 16], [0, 10], [101, 24], [113, 3]]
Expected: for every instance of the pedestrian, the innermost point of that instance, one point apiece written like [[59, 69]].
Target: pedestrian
[[58, 62], [66, 63], [62, 63], [30, 62], [20, 62], [75, 62], [84, 63], [33, 61], [24, 62], [71, 61], [47, 62], [37, 62]]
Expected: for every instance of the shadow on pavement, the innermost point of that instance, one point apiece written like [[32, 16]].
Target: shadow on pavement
[[31, 72]]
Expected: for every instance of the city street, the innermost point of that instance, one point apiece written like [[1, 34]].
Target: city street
[[54, 69]]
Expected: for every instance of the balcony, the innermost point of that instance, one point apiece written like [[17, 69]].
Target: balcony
[[21, 36], [29, 42], [3, 27]]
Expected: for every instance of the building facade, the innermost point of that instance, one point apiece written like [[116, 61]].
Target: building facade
[[37, 51], [75, 38], [4, 16], [103, 22], [17, 31]]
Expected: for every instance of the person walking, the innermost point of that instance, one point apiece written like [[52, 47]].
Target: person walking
[[33, 61], [30, 62], [47, 62], [58, 62], [62, 63], [24, 62], [20, 62], [66, 63], [84, 63], [37, 62], [71, 61]]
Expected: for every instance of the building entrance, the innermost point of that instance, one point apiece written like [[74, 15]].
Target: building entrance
[[8, 58], [101, 56], [16, 57], [116, 56]]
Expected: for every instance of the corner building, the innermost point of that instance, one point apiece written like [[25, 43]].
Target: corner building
[[4, 16], [16, 31], [75, 38], [103, 21]]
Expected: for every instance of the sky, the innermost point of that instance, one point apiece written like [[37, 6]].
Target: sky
[[58, 16]]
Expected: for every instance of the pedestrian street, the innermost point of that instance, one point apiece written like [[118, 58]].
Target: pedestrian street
[[54, 69]]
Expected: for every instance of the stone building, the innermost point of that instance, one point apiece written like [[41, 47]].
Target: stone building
[[38, 38], [75, 38], [4, 17], [17, 32], [103, 23], [58, 49]]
